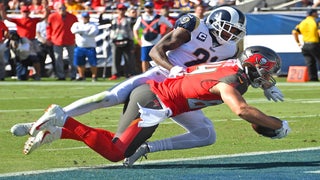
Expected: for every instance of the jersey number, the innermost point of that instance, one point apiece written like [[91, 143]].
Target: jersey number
[[202, 57]]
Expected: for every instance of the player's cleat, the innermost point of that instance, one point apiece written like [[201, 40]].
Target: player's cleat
[[141, 151], [43, 137], [54, 116], [21, 129]]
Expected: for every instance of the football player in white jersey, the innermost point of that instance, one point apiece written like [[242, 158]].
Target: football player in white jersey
[[193, 41]]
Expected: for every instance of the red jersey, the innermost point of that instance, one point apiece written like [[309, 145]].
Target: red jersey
[[3, 28], [58, 29], [191, 91], [26, 26]]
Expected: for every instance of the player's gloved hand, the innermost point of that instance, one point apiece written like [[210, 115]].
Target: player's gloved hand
[[273, 93], [283, 131], [176, 71]]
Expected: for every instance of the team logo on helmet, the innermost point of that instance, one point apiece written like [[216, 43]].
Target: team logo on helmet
[[263, 62]]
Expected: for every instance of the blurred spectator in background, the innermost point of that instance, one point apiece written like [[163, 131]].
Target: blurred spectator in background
[[26, 25], [200, 9], [122, 43], [60, 36], [133, 14], [73, 6], [85, 32], [96, 4], [309, 29], [14, 5], [23, 54], [150, 22], [3, 47], [45, 48], [36, 7], [158, 4], [164, 11], [304, 3], [87, 6], [48, 4], [184, 6]]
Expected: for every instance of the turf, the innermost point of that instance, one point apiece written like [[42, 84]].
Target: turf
[[25, 102]]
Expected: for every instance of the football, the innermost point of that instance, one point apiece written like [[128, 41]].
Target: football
[[264, 131]]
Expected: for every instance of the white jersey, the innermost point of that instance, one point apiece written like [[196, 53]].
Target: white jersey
[[202, 47]]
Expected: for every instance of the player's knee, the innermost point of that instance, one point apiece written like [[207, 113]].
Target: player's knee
[[205, 136]]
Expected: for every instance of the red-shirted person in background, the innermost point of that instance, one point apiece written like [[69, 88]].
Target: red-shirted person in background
[[59, 35], [26, 25]]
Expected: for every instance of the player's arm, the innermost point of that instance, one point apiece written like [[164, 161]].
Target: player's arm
[[295, 34], [170, 41], [238, 105]]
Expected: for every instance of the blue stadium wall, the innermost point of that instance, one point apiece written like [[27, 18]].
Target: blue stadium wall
[[274, 31]]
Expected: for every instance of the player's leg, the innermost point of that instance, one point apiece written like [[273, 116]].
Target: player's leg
[[145, 97], [102, 141], [116, 95], [97, 139], [200, 132]]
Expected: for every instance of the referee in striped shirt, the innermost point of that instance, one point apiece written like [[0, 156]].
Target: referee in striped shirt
[[309, 29]]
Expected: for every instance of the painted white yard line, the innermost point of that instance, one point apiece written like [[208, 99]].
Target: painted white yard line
[[165, 160], [312, 172]]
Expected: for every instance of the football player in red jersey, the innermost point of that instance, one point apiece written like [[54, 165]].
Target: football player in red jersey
[[191, 42], [212, 84]]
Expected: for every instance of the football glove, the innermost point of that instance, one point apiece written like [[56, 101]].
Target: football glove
[[283, 131], [273, 93], [176, 71]]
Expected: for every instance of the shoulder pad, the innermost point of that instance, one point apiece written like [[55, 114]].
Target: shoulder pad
[[188, 22]]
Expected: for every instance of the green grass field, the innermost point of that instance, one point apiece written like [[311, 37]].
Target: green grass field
[[25, 102]]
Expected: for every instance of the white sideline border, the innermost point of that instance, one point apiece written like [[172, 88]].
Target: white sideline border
[[161, 161]]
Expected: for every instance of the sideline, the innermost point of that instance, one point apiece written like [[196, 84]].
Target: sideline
[[160, 161]]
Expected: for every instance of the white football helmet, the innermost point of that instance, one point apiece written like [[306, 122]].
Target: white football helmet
[[227, 24], [259, 63]]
